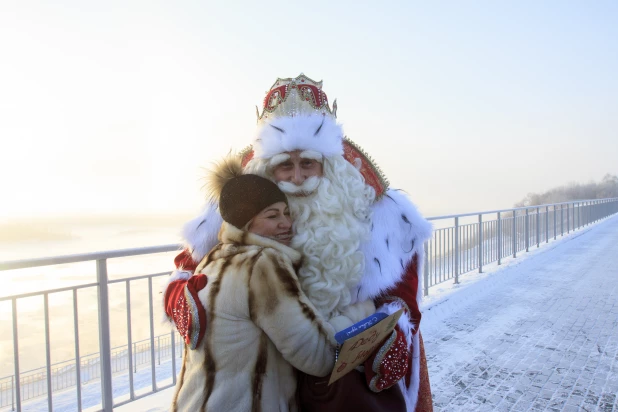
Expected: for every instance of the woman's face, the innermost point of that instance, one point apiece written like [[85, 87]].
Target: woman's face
[[273, 222]]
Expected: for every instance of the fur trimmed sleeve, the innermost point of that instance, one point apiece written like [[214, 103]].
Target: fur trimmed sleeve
[[279, 307], [404, 295]]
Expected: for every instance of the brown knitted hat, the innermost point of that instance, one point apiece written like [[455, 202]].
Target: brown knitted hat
[[243, 197]]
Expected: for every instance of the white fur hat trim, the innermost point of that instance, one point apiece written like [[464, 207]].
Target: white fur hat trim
[[314, 132]]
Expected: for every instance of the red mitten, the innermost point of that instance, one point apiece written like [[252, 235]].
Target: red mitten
[[389, 363], [184, 308]]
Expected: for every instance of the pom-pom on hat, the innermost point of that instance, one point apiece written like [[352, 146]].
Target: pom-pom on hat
[[243, 197]]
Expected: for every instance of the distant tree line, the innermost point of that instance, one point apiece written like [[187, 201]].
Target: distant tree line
[[607, 187]]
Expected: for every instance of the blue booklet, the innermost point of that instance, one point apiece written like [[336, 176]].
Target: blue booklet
[[361, 340], [359, 327]]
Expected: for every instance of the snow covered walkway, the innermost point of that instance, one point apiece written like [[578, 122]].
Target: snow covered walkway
[[540, 334]]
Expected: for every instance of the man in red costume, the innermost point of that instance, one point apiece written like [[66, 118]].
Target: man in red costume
[[360, 239]]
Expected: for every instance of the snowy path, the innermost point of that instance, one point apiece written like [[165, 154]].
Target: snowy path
[[540, 334]]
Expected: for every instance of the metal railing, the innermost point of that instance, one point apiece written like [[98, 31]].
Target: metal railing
[[491, 236], [453, 250], [33, 383], [105, 360]]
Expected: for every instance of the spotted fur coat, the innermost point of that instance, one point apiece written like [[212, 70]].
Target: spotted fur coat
[[260, 326]]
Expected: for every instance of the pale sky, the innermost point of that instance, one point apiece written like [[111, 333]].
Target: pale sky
[[115, 106]]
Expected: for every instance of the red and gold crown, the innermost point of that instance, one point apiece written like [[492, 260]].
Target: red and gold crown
[[296, 96], [296, 116]]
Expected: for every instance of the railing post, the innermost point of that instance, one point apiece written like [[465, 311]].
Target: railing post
[[514, 233], [555, 219], [135, 352], [107, 397], [456, 250], [538, 227], [425, 271], [159, 350], [546, 224], [527, 229], [568, 221], [129, 341], [17, 374], [48, 372], [480, 243], [561, 220], [173, 340], [152, 355], [78, 362], [499, 239], [12, 394]]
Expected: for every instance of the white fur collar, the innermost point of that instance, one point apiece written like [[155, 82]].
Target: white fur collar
[[200, 234], [398, 232]]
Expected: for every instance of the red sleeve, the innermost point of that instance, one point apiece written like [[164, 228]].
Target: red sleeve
[[391, 362], [183, 307], [405, 293]]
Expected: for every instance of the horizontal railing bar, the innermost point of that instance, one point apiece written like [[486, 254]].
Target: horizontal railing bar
[[515, 209], [153, 275], [42, 368], [85, 257], [117, 405], [28, 295]]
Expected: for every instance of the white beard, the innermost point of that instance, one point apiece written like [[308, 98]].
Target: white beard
[[330, 225]]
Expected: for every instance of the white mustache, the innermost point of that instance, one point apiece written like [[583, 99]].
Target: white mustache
[[306, 188]]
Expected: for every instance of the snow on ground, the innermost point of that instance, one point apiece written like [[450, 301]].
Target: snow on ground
[[66, 400], [539, 332]]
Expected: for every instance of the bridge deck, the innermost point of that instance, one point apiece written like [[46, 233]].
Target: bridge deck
[[539, 335]]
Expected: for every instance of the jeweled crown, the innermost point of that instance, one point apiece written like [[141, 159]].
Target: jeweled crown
[[292, 97]]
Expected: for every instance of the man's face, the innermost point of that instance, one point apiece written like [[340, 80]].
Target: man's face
[[297, 169]]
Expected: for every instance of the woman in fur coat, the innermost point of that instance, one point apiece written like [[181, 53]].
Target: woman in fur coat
[[245, 320]]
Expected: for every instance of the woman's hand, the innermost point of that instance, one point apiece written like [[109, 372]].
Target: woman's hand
[[351, 314], [359, 310]]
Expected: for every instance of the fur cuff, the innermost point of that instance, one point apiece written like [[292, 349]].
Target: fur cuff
[[405, 324]]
